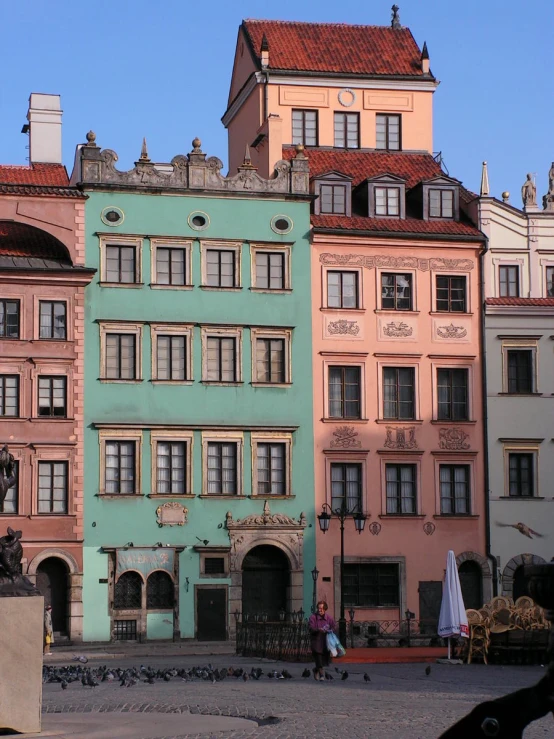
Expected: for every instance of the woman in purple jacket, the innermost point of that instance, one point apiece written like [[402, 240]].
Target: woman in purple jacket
[[320, 624]]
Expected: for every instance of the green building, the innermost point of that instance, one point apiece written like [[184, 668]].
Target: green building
[[199, 499]]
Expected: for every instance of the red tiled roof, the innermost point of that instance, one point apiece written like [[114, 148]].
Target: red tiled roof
[[21, 240], [538, 302], [396, 225], [336, 48], [60, 192], [54, 175]]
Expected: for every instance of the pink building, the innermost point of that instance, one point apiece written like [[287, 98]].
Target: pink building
[[42, 283], [396, 266]]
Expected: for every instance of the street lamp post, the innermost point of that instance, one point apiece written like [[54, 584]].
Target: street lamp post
[[315, 575], [342, 514]]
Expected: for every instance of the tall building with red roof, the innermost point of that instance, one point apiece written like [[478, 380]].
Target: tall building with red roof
[[42, 283], [396, 308]]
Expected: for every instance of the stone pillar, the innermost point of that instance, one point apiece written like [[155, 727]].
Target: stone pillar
[[76, 607]]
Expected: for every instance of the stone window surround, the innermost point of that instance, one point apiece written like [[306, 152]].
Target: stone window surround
[[271, 333], [271, 438], [453, 364], [69, 316], [22, 455], [397, 361], [20, 368], [53, 368], [455, 458], [20, 298], [121, 327], [531, 344], [343, 360], [544, 264], [519, 446], [213, 552], [379, 291], [399, 457], [285, 250], [324, 279], [469, 292], [113, 240], [52, 453], [511, 261], [399, 560], [342, 456], [235, 332], [171, 242], [230, 437], [187, 437], [220, 245], [135, 435], [172, 329]]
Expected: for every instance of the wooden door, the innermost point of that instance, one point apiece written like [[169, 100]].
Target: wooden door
[[211, 614], [430, 596]]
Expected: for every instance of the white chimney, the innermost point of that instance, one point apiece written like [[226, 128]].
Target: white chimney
[[45, 128]]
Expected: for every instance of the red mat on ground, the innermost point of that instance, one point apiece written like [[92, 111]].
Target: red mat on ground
[[378, 655]]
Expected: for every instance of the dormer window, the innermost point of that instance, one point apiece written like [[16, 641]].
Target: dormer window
[[441, 203], [441, 199], [384, 196], [333, 192], [387, 201]]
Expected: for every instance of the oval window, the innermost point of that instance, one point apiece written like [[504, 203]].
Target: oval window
[[112, 216], [198, 220], [281, 224]]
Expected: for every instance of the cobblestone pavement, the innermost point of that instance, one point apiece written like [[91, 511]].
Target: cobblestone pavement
[[400, 702]]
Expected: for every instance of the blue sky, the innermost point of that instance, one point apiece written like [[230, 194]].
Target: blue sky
[[132, 68]]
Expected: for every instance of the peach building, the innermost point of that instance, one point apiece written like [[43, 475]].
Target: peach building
[[42, 283], [396, 265]]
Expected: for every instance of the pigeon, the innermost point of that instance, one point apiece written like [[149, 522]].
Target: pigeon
[[306, 673], [367, 679], [80, 658], [328, 676], [428, 670], [167, 677], [344, 675], [64, 685], [244, 676], [286, 674], [522, 528]]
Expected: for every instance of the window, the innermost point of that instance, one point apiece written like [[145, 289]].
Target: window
[[344, 392], [222, 468], [452, 387], [550, 282], [399, 393], [271, 464], [346, 487], [521, 478], [9, 395], [454, 489], [171, 266], [221, 359], [160, 591], [396, 291], [128, 596], [304, 127], [11, 501], [401, 488], [121, 264], [388, 132], [347, 130], [441, 203], [270, 360], [270, 270], [451, 294], [520, 371], [120, 468], [371, 585], [9, 319], [342, 289], [214, 566], [508, 278], [52, 396], [121, 350], [52, 487], [171, 353], [387, 201], [52, 319], [124, 630], [220, 268], [332, 199], [171, 458]]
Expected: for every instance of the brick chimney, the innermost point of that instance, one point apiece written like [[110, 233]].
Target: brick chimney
[[45, 128]]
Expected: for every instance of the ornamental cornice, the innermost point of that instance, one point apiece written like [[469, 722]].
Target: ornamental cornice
[[266, 520]]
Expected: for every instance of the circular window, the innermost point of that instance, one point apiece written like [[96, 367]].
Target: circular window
[[112, 216], [281, 224], [198, 220]]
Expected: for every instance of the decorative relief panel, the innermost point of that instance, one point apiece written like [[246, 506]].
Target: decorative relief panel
[[345, 438], [397, 330], [375, 528], [388, 262], [429, 528], [448, 329], [451, 332], [171, 514], [400, 437], [453, 438], [342, 328]]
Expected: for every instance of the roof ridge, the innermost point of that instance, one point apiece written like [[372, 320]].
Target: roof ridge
[[321, 23]]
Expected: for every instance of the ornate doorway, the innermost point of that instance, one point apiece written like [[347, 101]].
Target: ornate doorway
[[52, 581], [265, 581]]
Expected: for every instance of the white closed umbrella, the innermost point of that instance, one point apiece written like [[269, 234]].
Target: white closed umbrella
[[453, 618]]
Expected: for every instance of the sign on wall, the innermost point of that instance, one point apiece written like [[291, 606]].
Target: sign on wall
[[144, 560]]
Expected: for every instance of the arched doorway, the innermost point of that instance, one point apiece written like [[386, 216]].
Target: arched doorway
[[519, 583], [52, 581], [265, 581], [471, 582]]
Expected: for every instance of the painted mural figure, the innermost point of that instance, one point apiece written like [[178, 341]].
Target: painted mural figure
[[529, 192]]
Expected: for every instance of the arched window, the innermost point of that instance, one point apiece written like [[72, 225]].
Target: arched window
[[128, 591], [160, 592]]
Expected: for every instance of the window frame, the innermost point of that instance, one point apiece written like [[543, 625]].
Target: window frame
[[236, 333], [506, 282], [345, 463], [519, 345], [120, 435], [3, 325], [3, 377], [388, 117], [303, 111], [361, 562], [52, 377], [412, 280], [520, 454], [343, 272], [442, 192], [235, 247], [51, 512], [436, 288], [342, 360], [346, 116], [272, 438], [333, 188], [343, 384], [15, 487], [470, 482], [269, 334], [185, 437], [269, 248], [120, 328], [549, 269], [52, 302], [386, 181], [106, 240], [415, 414], [222, 437], [443, 184], [399, 464], [182, 330], [333, 179], [169, 243], [468, 390]]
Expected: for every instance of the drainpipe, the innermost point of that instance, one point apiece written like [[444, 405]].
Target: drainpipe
[[266, 94], [489, 555]]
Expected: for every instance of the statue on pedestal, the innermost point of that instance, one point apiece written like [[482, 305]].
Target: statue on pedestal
[[12, 582], [529, 192], [548, 199]]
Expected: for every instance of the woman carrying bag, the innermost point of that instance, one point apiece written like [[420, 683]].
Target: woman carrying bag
[[320, 624]]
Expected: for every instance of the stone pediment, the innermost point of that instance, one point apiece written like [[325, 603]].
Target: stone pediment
[[266, 520]]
